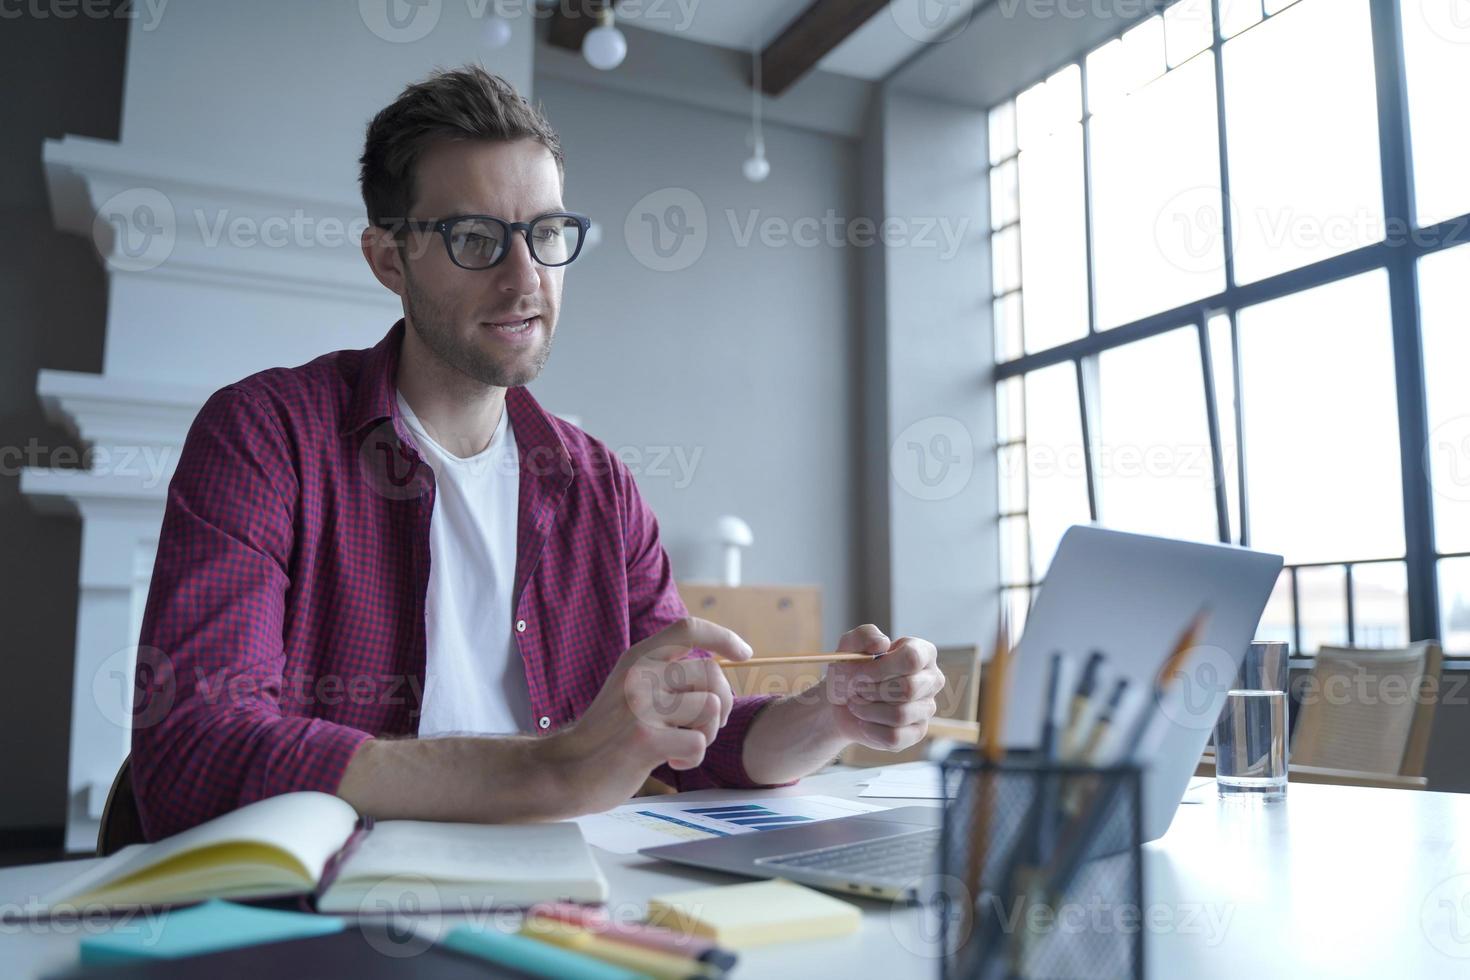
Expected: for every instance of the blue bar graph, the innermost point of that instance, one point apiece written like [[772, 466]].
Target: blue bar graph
[[762, 823]]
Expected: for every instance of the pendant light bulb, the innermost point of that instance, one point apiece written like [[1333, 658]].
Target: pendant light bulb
[[605, 47]]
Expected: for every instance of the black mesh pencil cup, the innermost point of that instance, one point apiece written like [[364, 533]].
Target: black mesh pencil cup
[[1041, 869]]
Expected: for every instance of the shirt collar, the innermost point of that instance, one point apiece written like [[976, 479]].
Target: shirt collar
[[375, 397]]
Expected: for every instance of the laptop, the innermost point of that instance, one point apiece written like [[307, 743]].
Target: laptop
[[1129, 595]]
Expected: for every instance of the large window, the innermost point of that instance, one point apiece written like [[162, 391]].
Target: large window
[[1228, 305]]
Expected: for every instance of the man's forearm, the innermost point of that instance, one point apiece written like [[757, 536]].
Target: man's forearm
[[792, 738], [472, 779]]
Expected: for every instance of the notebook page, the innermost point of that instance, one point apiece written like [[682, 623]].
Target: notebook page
[[309, 826], [472, 852]]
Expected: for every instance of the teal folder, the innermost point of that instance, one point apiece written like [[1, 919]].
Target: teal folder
[[532, 956], [215, 925]]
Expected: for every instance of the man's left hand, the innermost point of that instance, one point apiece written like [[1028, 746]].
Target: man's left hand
[[885, 704]]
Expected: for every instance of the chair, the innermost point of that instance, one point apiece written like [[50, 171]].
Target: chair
[[1369, 711], [121, 824], [1380, 740], [1297, 773]]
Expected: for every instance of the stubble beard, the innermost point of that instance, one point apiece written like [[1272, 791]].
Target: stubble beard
[[436, 327]]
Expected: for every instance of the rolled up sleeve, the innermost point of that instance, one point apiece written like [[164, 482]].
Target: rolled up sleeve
[[209, 733]]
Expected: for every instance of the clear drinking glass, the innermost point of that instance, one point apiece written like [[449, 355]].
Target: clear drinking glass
[[1250, 737]]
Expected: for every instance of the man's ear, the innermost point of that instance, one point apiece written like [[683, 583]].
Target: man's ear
[[384, 256]]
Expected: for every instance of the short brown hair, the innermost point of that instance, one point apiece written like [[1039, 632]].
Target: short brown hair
[[466, 103]]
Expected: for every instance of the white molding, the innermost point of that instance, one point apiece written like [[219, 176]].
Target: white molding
[[299, 241], [119, 412], [134, 431], [82, 493]]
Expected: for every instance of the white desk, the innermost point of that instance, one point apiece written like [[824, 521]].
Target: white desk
[[1338, 882]]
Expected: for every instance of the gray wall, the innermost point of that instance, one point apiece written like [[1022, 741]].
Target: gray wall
[[741, 363], [54, 294]]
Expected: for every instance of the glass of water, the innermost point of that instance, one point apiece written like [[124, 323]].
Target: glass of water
[[1250, 737]]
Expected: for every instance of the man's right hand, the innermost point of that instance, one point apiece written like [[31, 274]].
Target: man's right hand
[[659, 705]]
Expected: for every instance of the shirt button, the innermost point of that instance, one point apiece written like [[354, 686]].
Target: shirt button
[[545, 722], [521, 628]]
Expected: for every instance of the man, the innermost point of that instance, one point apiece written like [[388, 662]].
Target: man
[[398, 542]]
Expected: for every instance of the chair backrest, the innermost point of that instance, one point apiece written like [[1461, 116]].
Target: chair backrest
[[960, 699], [121, 824], [1369, 710]]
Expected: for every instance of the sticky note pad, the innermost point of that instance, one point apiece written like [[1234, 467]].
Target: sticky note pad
[[755, 914], [206, 928]]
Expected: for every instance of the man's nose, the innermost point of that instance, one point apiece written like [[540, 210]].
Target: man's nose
[[518, 272]]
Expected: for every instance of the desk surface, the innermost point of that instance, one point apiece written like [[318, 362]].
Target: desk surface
[[1339, 882]]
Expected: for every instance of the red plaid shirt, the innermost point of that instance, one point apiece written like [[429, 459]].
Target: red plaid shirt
[[285, 619]]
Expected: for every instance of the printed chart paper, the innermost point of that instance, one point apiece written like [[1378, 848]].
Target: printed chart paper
[[626, 829]]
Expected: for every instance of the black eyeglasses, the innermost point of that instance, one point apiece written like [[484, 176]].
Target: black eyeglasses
[[479, 241]]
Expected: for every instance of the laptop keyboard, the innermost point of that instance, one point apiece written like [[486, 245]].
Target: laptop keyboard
[[891, 859]]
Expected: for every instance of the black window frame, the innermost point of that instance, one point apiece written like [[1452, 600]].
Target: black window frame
[[1405, 243]]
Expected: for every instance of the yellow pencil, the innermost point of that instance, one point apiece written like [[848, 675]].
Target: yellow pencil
[[992, 710], [646, 962]]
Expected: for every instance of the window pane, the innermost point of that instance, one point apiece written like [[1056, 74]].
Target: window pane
[[1237, 15], [1322, 600], [1005, 260], [1156, 211], [1454, 605], [1002, 132], [1188, 29], [1014, 562], [1010, 415], [1381, 605], [1053, 249], [1276, 6], [1008, 343], [1302, 119], [1276, 621], [1011, 460], [1017, 605], [1321, 423], [1056, 475], [1437, 62], [1444, 310], [1222, 356], [1125, 64], [1049, 107], [1153, 468], [1005, 200]]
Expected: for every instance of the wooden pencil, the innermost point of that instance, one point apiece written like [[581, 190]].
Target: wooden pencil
[[799, 658], [992, 710]]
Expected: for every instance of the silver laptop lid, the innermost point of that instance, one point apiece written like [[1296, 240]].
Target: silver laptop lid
[[1132, 596]]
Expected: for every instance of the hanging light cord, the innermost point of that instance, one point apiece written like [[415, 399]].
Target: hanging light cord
[[755, 96]]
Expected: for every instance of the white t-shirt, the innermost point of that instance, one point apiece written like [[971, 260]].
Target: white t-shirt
[[474, 679]]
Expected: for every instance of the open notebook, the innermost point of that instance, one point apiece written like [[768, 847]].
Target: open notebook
[[314, 845]]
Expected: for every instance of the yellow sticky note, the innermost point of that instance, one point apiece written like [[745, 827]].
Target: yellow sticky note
[[755, 914]]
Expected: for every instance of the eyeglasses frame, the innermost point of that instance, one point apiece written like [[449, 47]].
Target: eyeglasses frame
[[444, 226]]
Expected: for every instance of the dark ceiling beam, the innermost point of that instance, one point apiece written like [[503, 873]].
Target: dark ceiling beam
[[818, 29], [571, 22]]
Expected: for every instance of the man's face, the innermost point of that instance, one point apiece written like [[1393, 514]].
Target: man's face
[[474, 320]]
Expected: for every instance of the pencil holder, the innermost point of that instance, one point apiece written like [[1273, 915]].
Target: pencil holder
[[1042, 870]]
